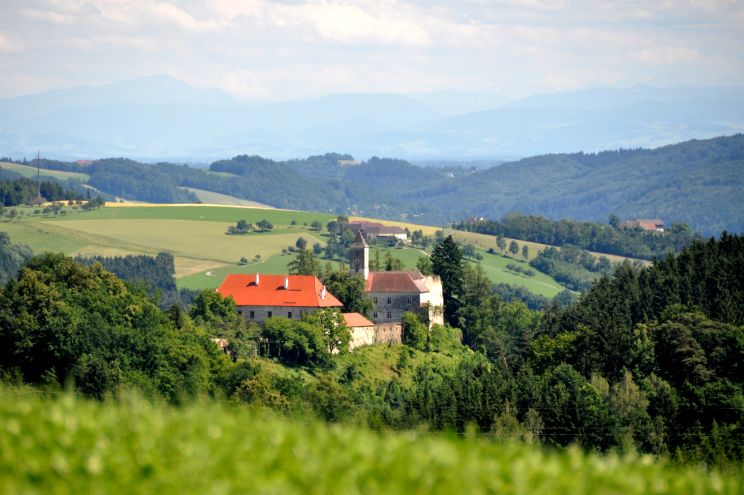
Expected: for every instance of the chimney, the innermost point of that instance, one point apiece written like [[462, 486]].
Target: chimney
[[286, 282], [322, 294], [257, 278]]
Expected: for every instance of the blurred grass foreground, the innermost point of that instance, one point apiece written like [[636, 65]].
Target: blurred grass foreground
[[64, 444]]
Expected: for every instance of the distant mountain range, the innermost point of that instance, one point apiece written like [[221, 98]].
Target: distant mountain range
[[160, 118]]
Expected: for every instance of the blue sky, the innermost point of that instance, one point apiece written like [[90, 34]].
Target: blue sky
[[295, 49]]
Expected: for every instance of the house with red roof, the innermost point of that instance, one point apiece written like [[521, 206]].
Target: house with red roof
[[647, 224], [259, 297]]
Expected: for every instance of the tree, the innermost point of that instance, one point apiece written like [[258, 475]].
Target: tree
[[317, 249], [316, 225], [614, 221], [264, 225], [296, 343], [210, 308], [500, 243], [349, 289], [304, 263], [301, 243], [392, 264], [446, 260], [513, 247], [415, 334], [335, 332], [424, 266], [525, 251]]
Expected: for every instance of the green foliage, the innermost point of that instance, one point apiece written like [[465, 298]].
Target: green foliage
[[67, 445], [335, 332], [304, 263], [65, 322], [296, 343], [349, 290], [446, 260], [592, 236], [415, 334], [12, 257], [424, 265]]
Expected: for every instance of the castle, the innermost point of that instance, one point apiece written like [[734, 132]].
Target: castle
[[395, 293]]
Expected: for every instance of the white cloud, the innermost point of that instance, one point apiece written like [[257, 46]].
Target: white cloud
[[351, 23], [301, 48]]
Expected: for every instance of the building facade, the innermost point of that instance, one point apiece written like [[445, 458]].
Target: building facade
[[259, 297], [395, 293]]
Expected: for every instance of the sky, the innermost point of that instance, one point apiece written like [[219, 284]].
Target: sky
[[258, 50]]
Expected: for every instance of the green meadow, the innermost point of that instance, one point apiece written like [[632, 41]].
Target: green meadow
[[204, 254], [59, 443], [30, 171]]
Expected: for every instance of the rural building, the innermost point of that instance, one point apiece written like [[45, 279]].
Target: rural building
[[395, 293], [375, 229], [364, 332], [649, 225], [259, 297]]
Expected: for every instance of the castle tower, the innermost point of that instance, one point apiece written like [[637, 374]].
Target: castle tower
[[359, 257]]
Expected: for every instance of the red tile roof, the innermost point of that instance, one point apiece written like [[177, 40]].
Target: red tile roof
[[356, 320], [395, 282], [302, 291]]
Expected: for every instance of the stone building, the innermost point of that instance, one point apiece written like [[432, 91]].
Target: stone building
[[395, 293], [376, 229], [259, 297]]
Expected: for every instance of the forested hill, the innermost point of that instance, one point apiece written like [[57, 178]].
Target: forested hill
[[700, 183]]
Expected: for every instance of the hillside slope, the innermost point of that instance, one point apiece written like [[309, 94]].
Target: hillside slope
[[696, 182]]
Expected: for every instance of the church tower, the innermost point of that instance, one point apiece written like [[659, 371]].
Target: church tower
[[359, 257]]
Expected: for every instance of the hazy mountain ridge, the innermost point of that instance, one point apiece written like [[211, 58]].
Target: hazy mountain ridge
[[159, 118]]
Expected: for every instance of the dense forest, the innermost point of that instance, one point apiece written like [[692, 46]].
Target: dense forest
[[21, 191], [648, 359], [584, 186]]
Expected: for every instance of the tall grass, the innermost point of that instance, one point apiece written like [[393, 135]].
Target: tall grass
[[63, 444]]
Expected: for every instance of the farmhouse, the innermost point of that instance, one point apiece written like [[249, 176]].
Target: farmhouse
[[649, 225], [259, 297], [395, 293], [375, 229]]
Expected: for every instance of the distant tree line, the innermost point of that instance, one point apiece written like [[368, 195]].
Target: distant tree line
[[24, 191], [592, 236]]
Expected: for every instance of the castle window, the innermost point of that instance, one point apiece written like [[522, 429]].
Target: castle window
[[389, 300], [252, 315], [289, 314], [375, 300], [389, 315], [409, 300], [269, 314], [374, 315]]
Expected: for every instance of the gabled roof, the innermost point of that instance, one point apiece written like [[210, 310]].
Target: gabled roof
[[301, 291], [645, 223], [356, 320], [411, 282]]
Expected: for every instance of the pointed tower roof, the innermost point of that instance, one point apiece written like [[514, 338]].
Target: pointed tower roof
[[359, 239]]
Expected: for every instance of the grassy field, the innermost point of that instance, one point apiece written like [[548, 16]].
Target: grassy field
[[30, 171], [66, 445], [195, 235], [213, 198], [495, 267]]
